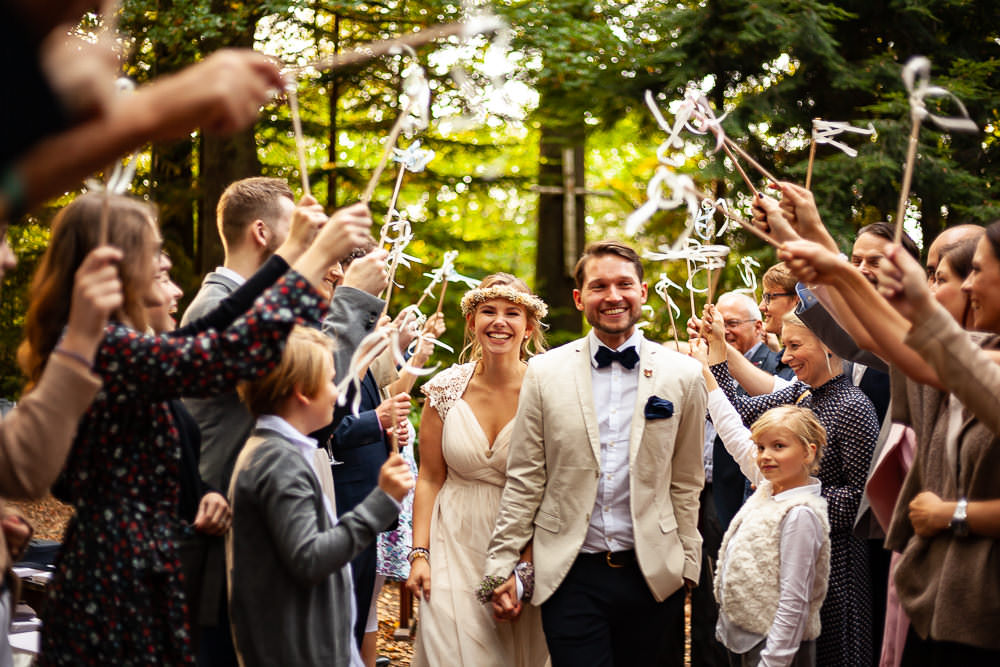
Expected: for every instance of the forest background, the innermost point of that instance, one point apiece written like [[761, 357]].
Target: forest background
[[577, 71]]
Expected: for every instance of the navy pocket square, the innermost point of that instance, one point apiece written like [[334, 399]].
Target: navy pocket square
[[658, 408]]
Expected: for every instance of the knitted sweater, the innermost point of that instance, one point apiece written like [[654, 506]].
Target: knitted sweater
[[748, 577]]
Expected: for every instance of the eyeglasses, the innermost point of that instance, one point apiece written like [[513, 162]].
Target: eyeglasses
[[770, 296], [732, 324]]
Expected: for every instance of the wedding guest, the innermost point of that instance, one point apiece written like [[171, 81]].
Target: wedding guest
[[118, 567], [301, 613], [852, 428]]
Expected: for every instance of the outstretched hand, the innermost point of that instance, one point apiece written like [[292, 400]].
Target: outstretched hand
[[800, 211], [307, 220], [97, 292], [811, 262], [368, 273], [346, 230], [902, 281], [769, 216], [395, 477]]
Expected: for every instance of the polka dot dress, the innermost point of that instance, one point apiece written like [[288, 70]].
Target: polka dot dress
[[117, 598], [851, 431]]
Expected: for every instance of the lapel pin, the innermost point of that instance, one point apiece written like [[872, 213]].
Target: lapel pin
[[648, 372]]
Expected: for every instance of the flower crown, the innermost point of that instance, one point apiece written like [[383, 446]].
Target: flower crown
[[474, 297]]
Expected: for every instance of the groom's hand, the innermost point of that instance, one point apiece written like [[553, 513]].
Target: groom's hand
[[506, 606]]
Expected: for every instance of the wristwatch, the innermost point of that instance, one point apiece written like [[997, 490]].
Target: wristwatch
[[959, 525]]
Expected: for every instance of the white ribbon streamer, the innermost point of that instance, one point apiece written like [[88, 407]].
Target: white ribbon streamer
[[413, 158], [917, 78], [824, 131]]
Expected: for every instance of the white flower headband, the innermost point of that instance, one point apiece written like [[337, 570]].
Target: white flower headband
[[477, 296]]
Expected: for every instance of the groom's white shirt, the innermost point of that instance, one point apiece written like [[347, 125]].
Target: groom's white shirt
[[614, 399]]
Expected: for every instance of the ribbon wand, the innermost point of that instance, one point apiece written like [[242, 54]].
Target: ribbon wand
[[300, 144], [661, 288], [812, 157], [823, 132], [916, 77], [390, 143]]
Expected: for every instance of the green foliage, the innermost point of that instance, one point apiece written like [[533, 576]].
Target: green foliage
[[28, 241]]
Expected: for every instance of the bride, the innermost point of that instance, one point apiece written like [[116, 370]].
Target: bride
[[464, 438]]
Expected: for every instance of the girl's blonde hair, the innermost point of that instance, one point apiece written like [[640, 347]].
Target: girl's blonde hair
[[530, 346], [802, 422], [306, 364]]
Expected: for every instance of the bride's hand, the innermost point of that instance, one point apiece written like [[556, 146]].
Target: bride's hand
[[419, 581]]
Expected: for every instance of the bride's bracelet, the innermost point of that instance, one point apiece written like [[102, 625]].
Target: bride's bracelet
[[418, 552]]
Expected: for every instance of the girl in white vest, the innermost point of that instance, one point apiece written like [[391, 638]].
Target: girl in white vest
[[775, 558]]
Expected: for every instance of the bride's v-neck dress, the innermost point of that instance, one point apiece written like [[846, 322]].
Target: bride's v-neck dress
[[454, 628]]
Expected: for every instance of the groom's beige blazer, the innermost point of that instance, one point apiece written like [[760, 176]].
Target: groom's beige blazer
[[554, 465]]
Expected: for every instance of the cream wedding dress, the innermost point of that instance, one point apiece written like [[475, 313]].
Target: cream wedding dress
[[453, 627]]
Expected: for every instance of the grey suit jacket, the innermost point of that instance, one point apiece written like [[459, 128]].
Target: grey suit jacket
[[554, 465], [223, 420], [289, 590]]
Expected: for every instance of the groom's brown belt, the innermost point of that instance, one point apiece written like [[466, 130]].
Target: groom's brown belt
[[612, 558]]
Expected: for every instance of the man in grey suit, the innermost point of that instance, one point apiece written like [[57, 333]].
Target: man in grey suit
[[254, 215], [603, 479]]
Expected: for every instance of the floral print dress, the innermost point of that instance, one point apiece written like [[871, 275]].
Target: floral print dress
[[116, 598]]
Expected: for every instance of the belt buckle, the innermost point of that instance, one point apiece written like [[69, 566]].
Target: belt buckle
[[611, 563]]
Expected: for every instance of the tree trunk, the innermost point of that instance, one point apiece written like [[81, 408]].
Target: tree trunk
[[561, 225]]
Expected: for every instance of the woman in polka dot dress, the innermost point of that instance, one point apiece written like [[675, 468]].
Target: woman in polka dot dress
[[852, 429], [117, 598]]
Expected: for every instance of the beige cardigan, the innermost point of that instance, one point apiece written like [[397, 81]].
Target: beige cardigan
[[36, 436], [950, 586]]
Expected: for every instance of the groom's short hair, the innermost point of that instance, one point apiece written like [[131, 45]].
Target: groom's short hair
[[602, 248]]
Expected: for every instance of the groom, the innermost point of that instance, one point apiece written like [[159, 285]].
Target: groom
[[603, 478]]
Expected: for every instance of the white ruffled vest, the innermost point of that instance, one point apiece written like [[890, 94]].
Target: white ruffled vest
[[752, 545]]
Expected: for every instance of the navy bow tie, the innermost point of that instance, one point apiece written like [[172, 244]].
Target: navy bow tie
[[627, 357]]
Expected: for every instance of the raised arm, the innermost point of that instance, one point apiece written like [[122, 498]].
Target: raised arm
[[36, 436], [221, 94], [966, 370], [878, 326]]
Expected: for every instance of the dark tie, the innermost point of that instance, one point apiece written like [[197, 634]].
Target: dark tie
[[627, 357]]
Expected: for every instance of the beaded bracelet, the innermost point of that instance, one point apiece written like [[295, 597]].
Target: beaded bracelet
[[74, 356], [418, 552]]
